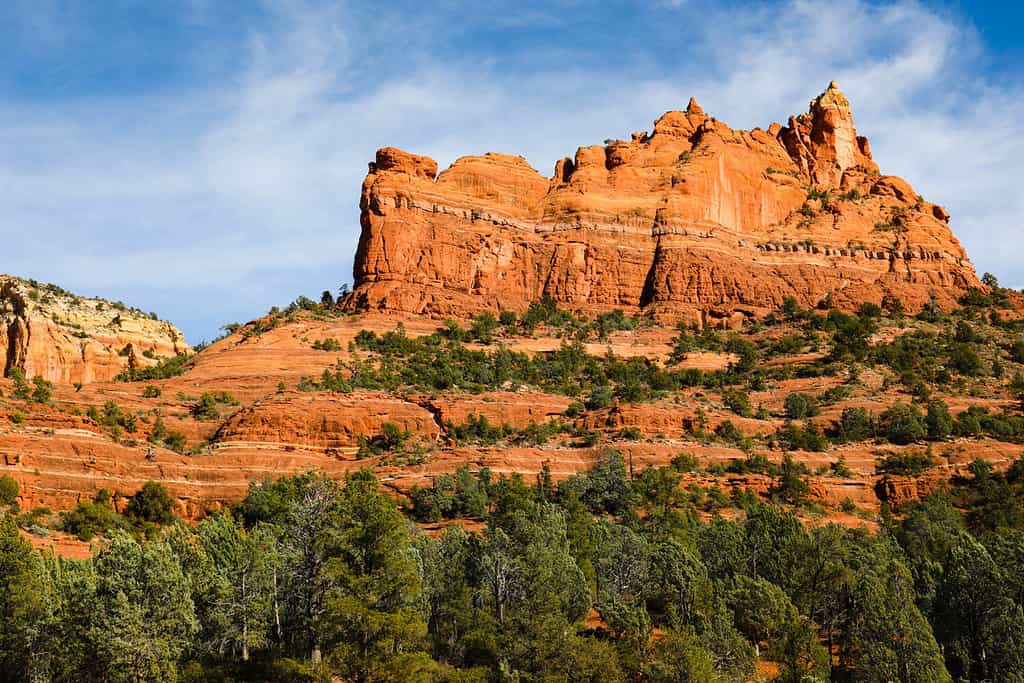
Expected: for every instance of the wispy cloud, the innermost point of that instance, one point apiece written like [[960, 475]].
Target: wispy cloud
[[212, 200]]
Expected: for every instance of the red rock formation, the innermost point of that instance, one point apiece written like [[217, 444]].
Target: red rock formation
[[692, 220], [64, 338]]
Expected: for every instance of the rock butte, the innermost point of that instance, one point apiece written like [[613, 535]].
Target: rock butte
[[694, 220], [64, 338]]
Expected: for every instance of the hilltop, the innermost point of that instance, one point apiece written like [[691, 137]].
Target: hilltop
[[693, 220], [49, 332]]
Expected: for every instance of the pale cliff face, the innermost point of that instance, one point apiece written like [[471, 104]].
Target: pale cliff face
[[692, 220], [64, 338]]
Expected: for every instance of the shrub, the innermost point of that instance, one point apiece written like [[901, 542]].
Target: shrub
[[685, 462], [205, 408], [483, 327], [839, 468], [328, 344], [42, 390], [792, 487], [164, 369], [22, 390], [905, 464], [9, 490], [630, 434], [1017, 351], [729, 432], [89, 518], [938, 420], [477, 430], [152, 503], [391, 438], [738, 402], [964, 358], [151, 391], [809, 437], [902, 424], [800, 405]]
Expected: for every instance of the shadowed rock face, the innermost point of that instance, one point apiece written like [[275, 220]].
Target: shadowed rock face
[[64, 338], [694, 220]]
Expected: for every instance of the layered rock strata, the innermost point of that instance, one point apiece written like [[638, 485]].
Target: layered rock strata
[[64, 338], [693, 219]]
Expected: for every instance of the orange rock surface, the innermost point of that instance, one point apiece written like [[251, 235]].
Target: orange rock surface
[[61, 337], [693, 220]]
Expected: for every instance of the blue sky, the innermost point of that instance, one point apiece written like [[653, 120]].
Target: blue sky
[[203, 158]]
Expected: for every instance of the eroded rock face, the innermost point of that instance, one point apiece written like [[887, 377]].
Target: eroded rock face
[[692, 220], [64, 338]]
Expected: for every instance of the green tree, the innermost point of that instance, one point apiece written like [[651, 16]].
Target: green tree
[[903, 424], [26, 600], [679, 656], [938, 420], [761, 609], [374, 617], [855, 424], [152, 503], [799, 652], [142, 614], [238, 619], [980, 627], [791, 486], [9, 490], [800, 405], [884, 636]]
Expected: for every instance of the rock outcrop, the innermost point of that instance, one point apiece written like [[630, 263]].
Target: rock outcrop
[[64, 338], [691, 220]]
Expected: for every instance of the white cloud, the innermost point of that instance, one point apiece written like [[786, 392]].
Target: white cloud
[[217, 201]]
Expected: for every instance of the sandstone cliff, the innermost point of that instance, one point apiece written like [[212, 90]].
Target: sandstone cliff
[[64, 338], [691, 220]]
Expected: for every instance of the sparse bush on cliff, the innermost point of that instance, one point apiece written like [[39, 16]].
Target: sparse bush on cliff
[[906, 464], [164, 369], [800, 405], [9, 490], [327, 344], [152, 503], [902, 424]]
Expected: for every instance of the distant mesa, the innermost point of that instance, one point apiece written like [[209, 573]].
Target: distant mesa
[[693, 220], [62, 337]]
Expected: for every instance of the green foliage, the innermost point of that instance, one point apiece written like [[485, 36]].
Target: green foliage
[[738, 402], [911, 464], [328, 343], [166, 368], [89, 518], [800, 406], [9, 490], [152, 503], [26, 605], [151, 391], [806, 437], [855, 424], [938, 420], [464, 495], [39, 391], [206, 407], [171, 439], [390, 439], [1017, 351], [791, 486], [903, 424], [113, 418]]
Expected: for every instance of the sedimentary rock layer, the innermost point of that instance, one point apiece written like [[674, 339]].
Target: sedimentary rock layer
[[693, 219], [64, 338]]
